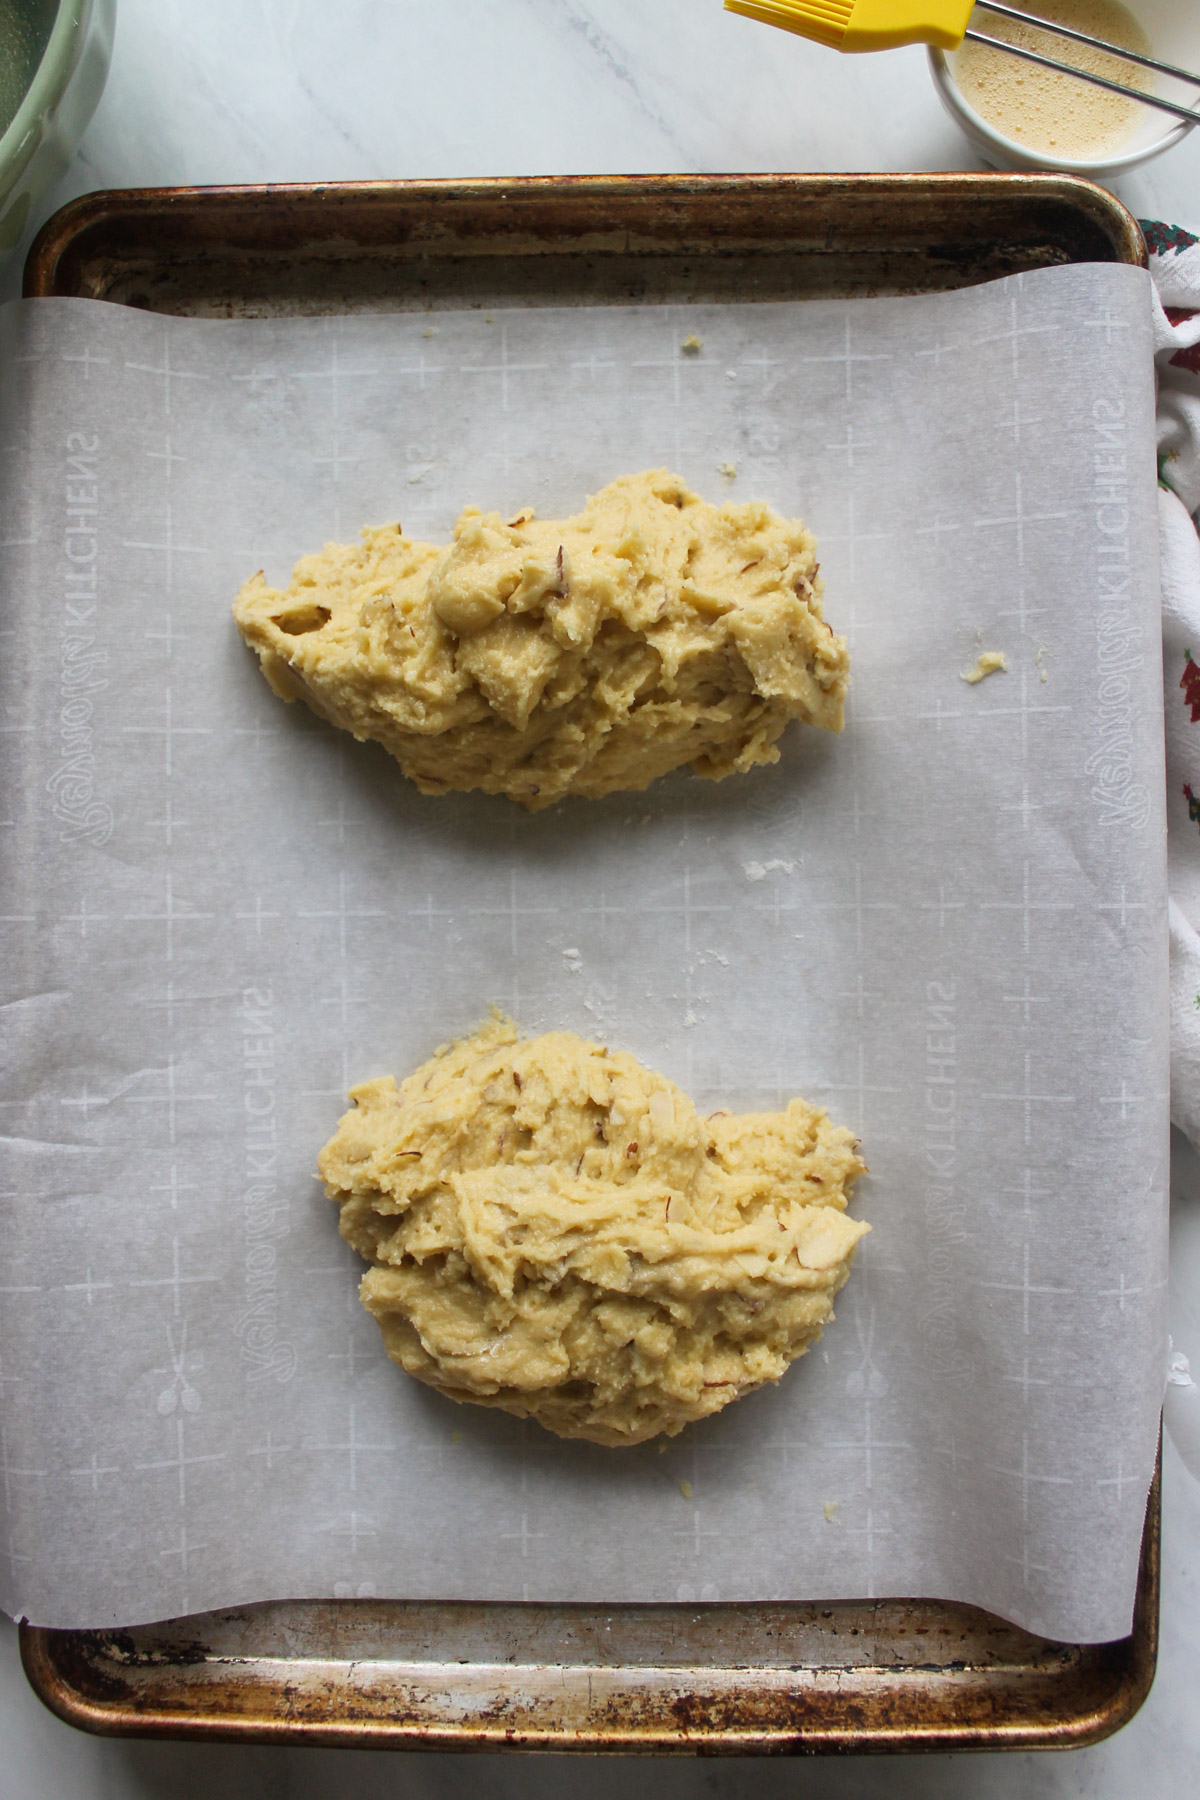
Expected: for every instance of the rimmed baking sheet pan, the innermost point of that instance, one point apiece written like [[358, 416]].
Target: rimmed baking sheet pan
[[732, 1678]]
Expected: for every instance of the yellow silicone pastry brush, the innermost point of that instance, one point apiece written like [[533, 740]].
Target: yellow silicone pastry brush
[[865, 24], [887, 24]]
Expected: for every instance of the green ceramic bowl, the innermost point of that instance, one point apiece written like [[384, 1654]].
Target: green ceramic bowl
[[54, 57]]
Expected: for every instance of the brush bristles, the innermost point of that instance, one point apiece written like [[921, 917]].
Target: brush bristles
[[824, 21]]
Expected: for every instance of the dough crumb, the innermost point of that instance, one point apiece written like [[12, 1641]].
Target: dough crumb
[[685, 1488], [757, 871], [551, 1229], [539, 657], [429, 331], [456, 1436], [727, 469], [831, 1512], [988, 662], [692, 345]]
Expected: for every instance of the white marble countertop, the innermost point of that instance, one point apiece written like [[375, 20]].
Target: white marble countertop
[[287, 90]]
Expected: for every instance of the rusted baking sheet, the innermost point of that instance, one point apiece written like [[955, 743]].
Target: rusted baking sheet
[[769, 1678], [222, 252], [734, 1680]]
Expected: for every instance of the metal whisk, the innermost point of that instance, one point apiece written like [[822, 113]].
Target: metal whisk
[[886, 24], [1081, 37]]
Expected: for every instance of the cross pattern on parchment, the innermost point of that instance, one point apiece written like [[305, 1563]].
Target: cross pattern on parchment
[[167, 636], [181, 1462], [353, 1446], [860, 994], [524, 1535], [1120, 1481], [1121, 1293], [169, 548], [1029, 1097], [258, 915], [870, 1532], [1027, 1477], [173, 1187], [850, 444], [688, 906], [356, 1526], [1020, 518], [941, 906], [1025, 1380], [1025, 806], [176, 1280], [89, 1287], [168, 731], [1124, 1099], [171, 1000], [1013, 335], [270, 1449], [1026, 1288], [848, 357], [171, 1098], [185, 1548], [83, 918], [354, 1355], [868, 1444], [166, 456], [504, 366], [858, 906], [168, 823], [1122, 907], [1027, 905], [1026, 998], [11, 1472], [1022, 612], [88, 359], [1026, 1564], [696, 1531], [1108, 324], [86, 1101], [860, 1087], [1016, 420], [852, 537], [165, 370], [1028, 1193], [335, 374], [421, 368], [94, 1470], [1025, 709], [342, 912]]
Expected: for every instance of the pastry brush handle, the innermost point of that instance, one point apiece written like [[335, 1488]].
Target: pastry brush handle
[[856, 25]]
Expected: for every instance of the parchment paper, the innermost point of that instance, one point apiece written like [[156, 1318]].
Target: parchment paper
[[948, 925]]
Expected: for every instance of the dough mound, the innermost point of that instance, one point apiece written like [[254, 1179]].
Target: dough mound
[[553, 1230], [537, 658]]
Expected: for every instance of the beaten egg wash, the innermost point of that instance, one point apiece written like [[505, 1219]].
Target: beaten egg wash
[[1048, 112]]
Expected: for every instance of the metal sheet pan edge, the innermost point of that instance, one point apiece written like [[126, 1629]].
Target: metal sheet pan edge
[[240, 250]]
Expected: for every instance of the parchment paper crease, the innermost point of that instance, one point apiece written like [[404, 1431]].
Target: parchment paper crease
[[948, 925]]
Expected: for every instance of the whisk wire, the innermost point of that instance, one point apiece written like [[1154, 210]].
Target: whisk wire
[[1078, 37], [1191, 114]]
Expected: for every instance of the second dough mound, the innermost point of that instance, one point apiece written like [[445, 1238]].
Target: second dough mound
[[553, 1230], [538, 658]]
